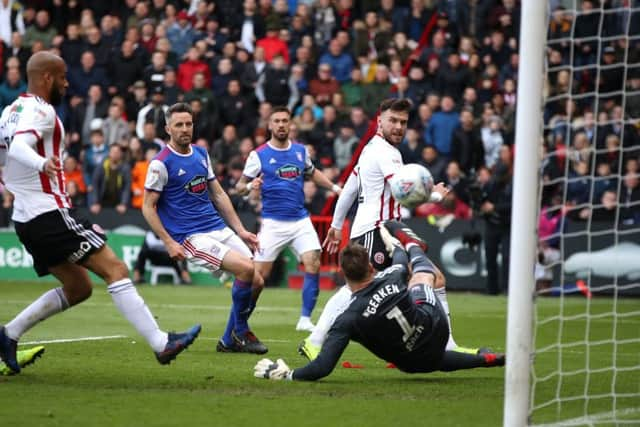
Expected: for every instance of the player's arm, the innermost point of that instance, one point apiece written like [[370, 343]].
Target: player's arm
[[321, 180], [345, 200], [335, 344], [224, 206], [21, 150], [251, 175], [154, 184]]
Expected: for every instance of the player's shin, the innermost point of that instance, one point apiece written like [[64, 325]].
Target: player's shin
[[454, 361], [135, 310], [51, 302], [241, 296]]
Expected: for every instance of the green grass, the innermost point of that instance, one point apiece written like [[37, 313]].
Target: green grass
[[117, 382]]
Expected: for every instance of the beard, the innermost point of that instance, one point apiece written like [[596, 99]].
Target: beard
[[55, 96], [392, 138]]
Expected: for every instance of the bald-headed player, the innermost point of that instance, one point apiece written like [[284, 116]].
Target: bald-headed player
[[61, 242]]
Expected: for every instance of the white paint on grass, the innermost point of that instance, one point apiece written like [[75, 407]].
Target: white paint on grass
[[590, 420], [65, 340]]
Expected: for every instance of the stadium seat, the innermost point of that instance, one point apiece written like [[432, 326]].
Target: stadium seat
[[158, 270]]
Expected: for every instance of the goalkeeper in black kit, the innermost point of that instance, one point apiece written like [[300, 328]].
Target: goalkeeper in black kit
[[393, 313]]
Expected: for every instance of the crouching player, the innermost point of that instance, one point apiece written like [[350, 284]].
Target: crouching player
[[396, 317]]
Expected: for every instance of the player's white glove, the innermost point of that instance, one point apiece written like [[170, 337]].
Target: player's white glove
[[270, 370], [390, 242]]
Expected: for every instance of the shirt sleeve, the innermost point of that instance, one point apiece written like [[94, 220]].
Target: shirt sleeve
[[345, 200], [253, 166], [333, 347], [156, 176], [210, 174]]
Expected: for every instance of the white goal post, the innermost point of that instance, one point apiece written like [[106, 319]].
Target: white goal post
[[524, 213]]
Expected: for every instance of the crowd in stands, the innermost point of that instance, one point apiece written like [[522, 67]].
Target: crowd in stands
[[331, 63]]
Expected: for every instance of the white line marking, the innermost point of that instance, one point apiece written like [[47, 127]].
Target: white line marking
[[590, 419], [63, 340]]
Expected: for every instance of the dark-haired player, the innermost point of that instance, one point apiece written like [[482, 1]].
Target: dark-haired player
[[369, 186], [60, 242], [396, 317]]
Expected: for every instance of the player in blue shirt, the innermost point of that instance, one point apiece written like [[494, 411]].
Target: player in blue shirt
[[179, 188], [278, 169]]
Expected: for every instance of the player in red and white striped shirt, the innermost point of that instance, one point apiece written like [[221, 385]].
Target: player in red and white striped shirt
[[60, 242], [369, 185]]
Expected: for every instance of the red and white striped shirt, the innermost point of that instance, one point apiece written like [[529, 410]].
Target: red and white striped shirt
[[35, 193], [377, 163]]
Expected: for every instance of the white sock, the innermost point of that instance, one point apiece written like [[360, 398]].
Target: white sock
[[332, 309], [441, 294], [133, 308], [51, 302]]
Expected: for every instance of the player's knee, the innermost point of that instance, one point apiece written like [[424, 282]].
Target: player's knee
[[117, 270], [77, 294], [246, 271], [258, 282], [312, 263]]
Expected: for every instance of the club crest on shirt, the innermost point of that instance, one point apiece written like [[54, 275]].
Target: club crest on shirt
[[197, 185], [288, 172]]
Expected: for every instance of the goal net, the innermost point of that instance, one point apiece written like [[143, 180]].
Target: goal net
[[586, 319]]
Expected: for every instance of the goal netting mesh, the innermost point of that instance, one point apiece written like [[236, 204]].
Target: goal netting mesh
[[586, 361]]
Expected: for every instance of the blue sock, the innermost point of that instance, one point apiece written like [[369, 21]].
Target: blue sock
[[226, 338], [310, 290], [241, 296], [252, 306]]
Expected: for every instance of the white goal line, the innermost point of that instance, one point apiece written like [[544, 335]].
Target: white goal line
[[595, 418], [66, 340]]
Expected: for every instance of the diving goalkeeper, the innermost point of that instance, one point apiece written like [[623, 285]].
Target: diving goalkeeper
[[393, 314]]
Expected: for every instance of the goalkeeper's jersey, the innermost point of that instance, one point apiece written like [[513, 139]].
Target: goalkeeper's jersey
[[386, 320]]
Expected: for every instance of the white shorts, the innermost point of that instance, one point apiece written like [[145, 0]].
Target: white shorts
[[208, 249], [275, 235]]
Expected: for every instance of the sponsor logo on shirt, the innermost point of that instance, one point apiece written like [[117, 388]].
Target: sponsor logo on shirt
[[288, 172], [197, 185]]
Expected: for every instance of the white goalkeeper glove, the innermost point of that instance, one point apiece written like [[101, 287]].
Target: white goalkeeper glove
[[270, 370], [390, 242]]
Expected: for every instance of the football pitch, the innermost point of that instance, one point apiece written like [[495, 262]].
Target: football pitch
[[97, 371]]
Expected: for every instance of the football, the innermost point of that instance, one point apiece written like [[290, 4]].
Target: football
[[411, 185]]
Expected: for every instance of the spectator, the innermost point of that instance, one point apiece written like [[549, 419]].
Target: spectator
[[273, 86], [453, 77], [73, 173], [305, 123], [630, 200], [114, 127], [450, 207], [172, 93], [181, 35], [138, 177], [323, 135], [153, 113], [433, 162], [149, 140], [324, 21], [83, 114], [202, 121], [322, 87], [80, 78], [154, 73], [192, 65], [314, 200], [40, 31], [10, 20], [492, 139], [466, 145], [344, 145], [72, 46], [224, 149], [253, 71], [441, 127], [199, 90], [237, 109], [374, 93], [359, 121], [396, 14], [136, 100], [340, 62], [125, 69], [100, 48], [419, 87], [12, 86], [273, 45], [411, 148], [111, 183], [352, 89], [94, 155], [221, 79], [455, 179], [154, 250]]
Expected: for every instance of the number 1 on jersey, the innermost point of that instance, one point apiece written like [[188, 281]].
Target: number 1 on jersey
[[396, 314]]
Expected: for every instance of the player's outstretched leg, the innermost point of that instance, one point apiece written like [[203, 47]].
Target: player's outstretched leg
[[484, 358], [131, 305], [310, 347]]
